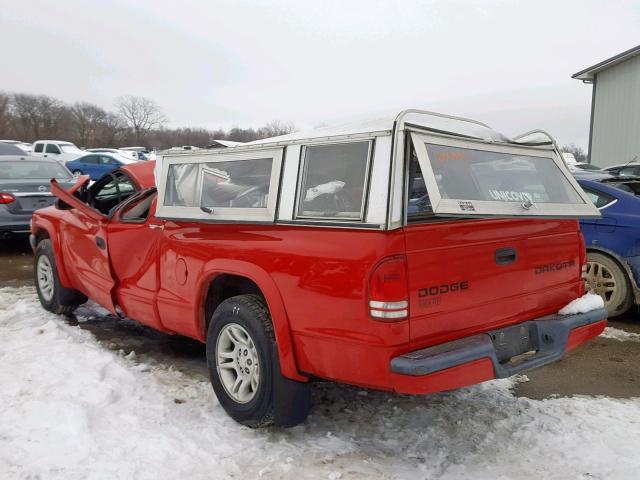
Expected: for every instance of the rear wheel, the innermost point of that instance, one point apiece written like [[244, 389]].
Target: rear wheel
[[53, 296], [606, 278], [242, 357]]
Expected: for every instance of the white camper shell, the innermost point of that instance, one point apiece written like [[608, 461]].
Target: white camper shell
[[380, 174]]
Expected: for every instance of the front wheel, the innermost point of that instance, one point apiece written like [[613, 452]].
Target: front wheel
[[244, 368], [52, 294], [606, 278], [76, 173]]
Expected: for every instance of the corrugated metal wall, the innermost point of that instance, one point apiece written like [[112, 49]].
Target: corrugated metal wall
[[616, 122]]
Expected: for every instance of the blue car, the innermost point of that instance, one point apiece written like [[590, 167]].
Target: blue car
[[97, 164], [613, 241]]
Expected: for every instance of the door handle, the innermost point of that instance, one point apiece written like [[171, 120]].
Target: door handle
[[101, 243], [505, 256], [156, 226]]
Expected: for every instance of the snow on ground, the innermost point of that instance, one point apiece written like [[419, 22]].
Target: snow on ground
[[71, 408], [620, 335]]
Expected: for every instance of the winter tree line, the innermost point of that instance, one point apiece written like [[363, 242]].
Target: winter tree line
[[135, 121]]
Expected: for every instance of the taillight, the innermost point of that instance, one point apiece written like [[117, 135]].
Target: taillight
[[6, 198], [388, 290]]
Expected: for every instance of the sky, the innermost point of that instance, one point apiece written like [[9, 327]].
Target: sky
[[244, 63]]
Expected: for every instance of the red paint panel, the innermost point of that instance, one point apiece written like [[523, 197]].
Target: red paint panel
[[141, 173], [448, 379], [133, 250], [319, 280], [457, 287], [580, 335]]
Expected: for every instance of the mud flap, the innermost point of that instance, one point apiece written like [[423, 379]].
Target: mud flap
[[291, 399]]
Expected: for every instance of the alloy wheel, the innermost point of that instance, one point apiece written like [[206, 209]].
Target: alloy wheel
[[237, 363], [601, 281], [45, 277]]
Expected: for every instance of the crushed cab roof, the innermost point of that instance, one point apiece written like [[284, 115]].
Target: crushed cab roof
[[141, 173]]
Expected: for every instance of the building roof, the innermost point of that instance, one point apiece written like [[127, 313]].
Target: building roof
[[588, 74]]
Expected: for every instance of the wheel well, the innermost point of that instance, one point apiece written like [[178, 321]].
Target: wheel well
[[226, 286], [41, 235]]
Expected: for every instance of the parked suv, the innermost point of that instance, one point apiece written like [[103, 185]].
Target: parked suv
[[415, 254], [56, 149]]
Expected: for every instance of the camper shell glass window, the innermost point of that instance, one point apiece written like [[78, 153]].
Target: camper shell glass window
[[467, 178], [334, 181], [219, 187], [502, 177], [418, 202], [235, 184]]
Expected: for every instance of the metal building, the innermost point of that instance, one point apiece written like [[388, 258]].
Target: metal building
[[614, 135]]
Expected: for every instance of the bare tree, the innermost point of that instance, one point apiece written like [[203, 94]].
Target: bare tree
[[5, 116], [579, 153], [37, 116], [23, 108], [86, 120], [34, 117], [242, 134], [141, 115], [276, 128], [111, 130]]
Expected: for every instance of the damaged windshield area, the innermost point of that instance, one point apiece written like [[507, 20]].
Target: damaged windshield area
[[232, 184]]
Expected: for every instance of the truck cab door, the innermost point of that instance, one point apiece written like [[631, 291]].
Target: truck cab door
[[85, 252], [134, 241], [52, 150]]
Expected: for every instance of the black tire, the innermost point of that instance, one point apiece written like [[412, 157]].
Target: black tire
[[77, 173], [60, 300], [277, 400], [608, 279]]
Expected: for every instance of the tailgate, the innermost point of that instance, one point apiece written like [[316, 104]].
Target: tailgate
[[468, 276]]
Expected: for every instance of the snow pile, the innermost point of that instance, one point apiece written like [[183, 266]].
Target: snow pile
[[71, 408], [584, 304], [620, 335]]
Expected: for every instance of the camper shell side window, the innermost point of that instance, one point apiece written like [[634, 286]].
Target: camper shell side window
[[333, 181], [221, 187]]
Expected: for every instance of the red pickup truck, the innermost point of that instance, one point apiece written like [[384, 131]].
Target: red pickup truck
[[414, 254]]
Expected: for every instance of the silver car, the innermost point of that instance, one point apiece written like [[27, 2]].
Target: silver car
[[24, 188]]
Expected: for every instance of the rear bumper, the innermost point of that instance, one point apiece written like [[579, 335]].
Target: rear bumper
[[497, 354]]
